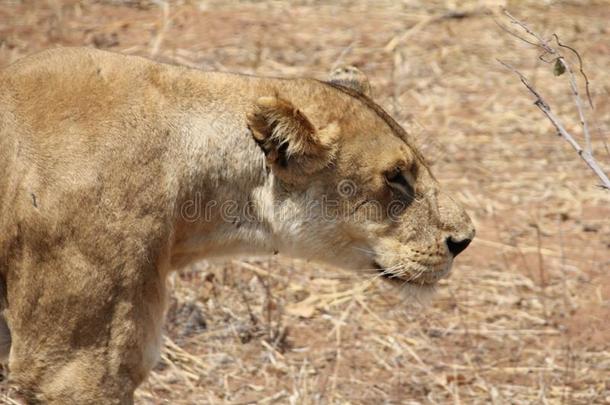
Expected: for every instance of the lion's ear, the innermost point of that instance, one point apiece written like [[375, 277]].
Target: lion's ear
[[292, 144], [352, 78]]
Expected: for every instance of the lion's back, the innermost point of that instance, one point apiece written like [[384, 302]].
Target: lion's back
[[66, 87], [74, 122]]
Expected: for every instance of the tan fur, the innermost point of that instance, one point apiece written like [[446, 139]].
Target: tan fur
[[115, 170]]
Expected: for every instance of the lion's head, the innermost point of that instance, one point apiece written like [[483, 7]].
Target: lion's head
[[350, 187]]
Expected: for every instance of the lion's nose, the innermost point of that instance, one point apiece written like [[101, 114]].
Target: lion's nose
[[457, 247]]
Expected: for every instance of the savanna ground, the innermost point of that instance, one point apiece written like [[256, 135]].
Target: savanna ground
[[524, 317]]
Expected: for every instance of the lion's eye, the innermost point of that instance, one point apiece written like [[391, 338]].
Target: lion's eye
[[396, 180]]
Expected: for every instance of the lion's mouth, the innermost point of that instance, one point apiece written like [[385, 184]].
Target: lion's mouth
[[398, 280], [386, 275]]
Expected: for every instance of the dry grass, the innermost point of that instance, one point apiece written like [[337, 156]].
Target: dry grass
[[523, 319]]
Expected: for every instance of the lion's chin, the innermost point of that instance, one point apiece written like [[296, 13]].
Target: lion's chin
[[421, 294], [419, 291]]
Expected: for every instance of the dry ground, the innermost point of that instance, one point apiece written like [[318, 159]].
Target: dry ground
[[523, 319]]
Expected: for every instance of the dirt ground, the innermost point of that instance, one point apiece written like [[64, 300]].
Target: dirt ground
[[524, 317]]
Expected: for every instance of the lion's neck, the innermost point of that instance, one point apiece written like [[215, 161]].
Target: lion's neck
[[226, 205]]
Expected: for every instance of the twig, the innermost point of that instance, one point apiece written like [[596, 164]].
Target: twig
[[585, 153], [156, 44], [544, 107], [580, 68], [577, 100]]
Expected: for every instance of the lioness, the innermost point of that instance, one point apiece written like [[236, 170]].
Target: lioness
[[116, 170]]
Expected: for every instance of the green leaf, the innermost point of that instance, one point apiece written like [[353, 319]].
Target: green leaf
[[559, 68]]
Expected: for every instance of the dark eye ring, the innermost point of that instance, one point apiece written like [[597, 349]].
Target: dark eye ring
[[398, 183], [395, 176]]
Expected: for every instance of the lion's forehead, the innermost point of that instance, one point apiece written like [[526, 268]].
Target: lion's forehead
[[379, 123]]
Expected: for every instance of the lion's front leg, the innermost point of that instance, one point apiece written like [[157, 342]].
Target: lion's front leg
[[84, 335]]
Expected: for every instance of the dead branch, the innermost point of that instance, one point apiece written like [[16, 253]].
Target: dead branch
[[550, 54]]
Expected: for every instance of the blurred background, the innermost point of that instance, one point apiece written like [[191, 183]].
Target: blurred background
[[524, 317]]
